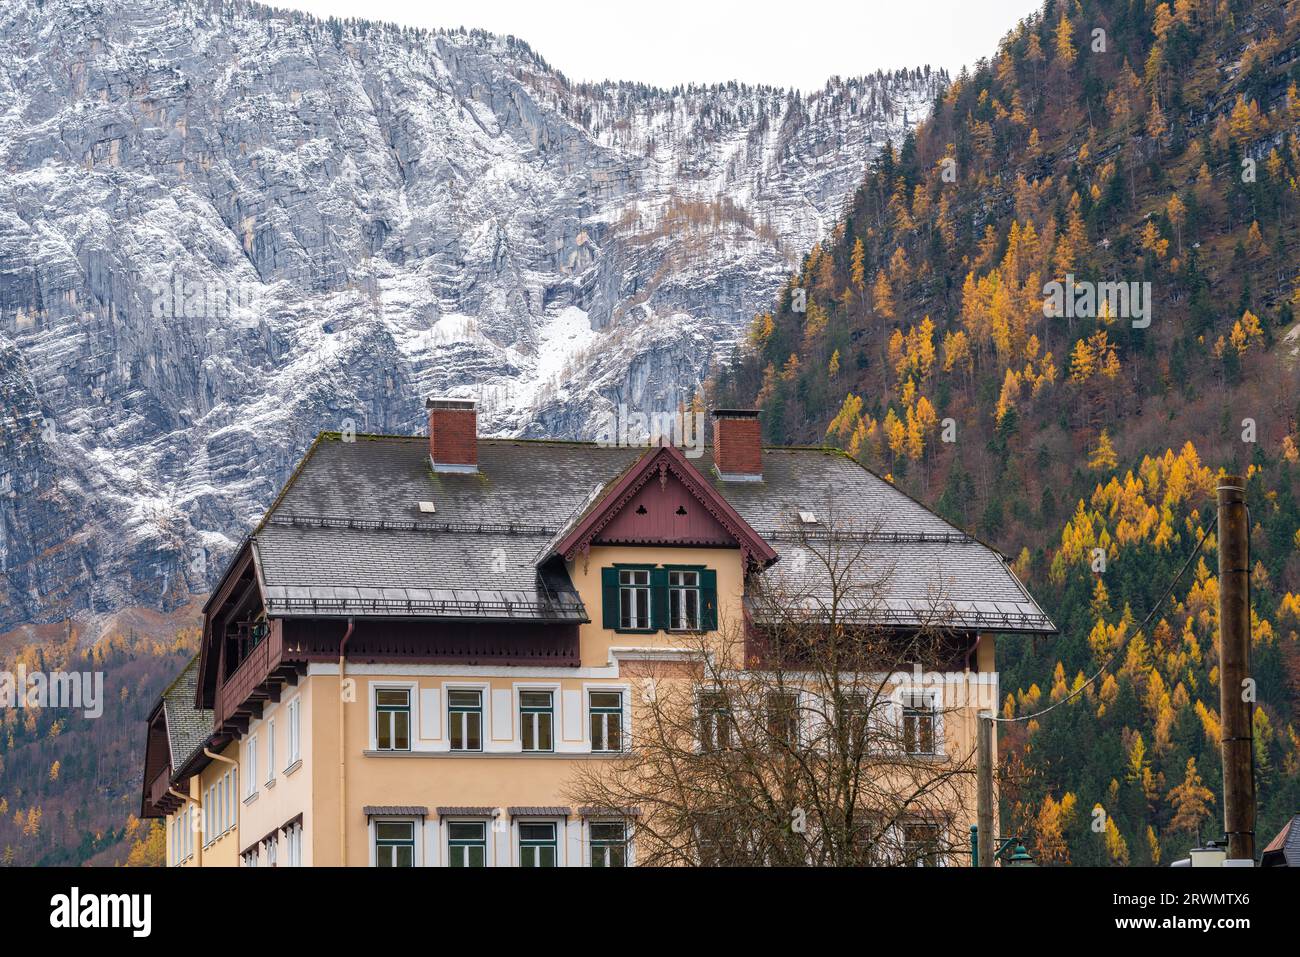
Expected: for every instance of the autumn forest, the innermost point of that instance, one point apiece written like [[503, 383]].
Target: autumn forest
[[1150, 144]]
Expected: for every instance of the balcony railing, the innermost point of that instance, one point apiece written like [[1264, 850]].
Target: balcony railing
[[252, 672], [158, 786]]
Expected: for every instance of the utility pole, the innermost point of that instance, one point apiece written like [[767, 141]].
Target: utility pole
[[1235, 704], [984, 789]]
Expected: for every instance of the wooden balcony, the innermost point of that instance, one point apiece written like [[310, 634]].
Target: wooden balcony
[[256, 680], [159, 796]]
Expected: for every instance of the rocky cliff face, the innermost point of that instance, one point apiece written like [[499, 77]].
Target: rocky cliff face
[[224, 228]]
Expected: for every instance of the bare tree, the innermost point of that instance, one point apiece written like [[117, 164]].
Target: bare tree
[[809, 733]]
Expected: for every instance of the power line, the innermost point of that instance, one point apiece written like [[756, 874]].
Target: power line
[[1137, 631]]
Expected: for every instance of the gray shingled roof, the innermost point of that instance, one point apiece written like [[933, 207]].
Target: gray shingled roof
[[188, 727], [1284, 849], [347, 536]]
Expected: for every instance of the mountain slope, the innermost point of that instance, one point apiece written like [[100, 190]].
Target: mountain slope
[[1110, 141], [224, 228]]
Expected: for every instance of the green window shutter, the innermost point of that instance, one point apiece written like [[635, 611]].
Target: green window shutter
[[609, 596], [659, 599], [709, 599]]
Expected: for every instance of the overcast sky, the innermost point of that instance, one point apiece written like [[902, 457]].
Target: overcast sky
[[666, 42]]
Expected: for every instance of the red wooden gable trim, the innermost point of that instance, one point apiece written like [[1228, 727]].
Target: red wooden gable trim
[[665, 461]]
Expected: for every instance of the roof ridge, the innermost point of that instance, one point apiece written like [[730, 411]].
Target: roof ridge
[[334, 436], [290, 482], [192, 664]]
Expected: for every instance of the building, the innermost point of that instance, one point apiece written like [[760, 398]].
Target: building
[[408, 657], [1284, 849]]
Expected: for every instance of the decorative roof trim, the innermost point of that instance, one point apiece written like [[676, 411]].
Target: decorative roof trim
[[662, 462]]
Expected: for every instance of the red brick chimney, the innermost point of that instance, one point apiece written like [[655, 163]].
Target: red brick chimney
[[737, 445], [453, 435]]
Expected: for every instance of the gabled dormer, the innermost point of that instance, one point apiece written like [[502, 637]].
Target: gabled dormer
[[651, 527], [661, 499]]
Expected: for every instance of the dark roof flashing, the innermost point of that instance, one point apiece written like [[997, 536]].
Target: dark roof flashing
[[452, 468], [449, 405]]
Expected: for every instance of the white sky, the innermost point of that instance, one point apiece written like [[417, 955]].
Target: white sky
[[666, 42]]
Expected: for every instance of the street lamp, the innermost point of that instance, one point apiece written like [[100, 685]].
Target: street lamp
[[1020, 858]]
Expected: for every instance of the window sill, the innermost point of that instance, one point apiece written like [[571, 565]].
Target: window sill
[[218, 839], [527, 755], [293, 767], [270, 784], [251, 798]]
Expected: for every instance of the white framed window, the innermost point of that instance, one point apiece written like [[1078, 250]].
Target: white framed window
[[250, 761], [608, 843], [684, 600], [634, 599], [921, 844], [223, 801], [782, 713], [539, 844], [920, 723], [293, 844], [855, 721], [465, 719], [393, 719], [605, 709], [294, 708], [467, 844], [250, 857], [272, 848], [537, 720], [270, 751], [394, 843], [715, 721]]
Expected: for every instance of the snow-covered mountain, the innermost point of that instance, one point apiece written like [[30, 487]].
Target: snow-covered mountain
[[224, 228]]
